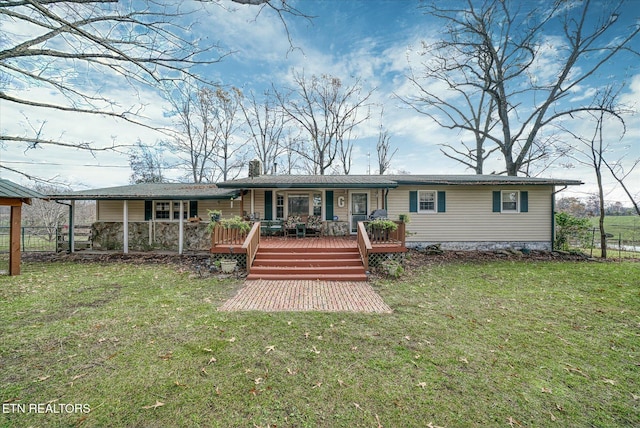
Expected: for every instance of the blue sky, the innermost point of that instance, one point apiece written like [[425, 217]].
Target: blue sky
[[375, 41]]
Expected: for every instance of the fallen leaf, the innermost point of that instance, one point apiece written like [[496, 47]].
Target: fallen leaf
[[292, 372], [407, 338], [422, 384], [357, 406], [154, 406], [464, 360], [207, 350], [258, 380], [203, 371], [182, 385], [166, 356], [317, 385], [78, 376], [212, 360], [233, 339], [315, 350], [288, 322], [269, 349], [513, 421], [306, 334], [43, 378], [611, 381], [354, 348], [340, 382], [634, 396], [378, 421], [546, 390], [431, 425], [553, 418], [254, 392]]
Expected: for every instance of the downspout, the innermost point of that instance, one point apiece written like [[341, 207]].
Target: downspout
[[385, 201], [553, 215]]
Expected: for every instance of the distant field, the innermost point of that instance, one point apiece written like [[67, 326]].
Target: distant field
[[625, 227]]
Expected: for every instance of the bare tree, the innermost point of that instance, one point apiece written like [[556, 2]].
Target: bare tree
[[230, 153], [266, 127], [592, 150], [62, 45], [383, 149], [490, 64], [326, 111], [618, 172], [146, 164], [194, 142]]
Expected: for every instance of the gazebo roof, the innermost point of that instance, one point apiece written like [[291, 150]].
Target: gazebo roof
[[11, 190]]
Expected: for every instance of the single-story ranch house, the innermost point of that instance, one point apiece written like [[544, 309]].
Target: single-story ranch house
[[464, 212]]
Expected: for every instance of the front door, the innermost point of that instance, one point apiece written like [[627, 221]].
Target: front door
[[359, 210]]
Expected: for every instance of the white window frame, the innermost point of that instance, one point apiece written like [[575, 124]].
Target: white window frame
[[155, 210], [435, 201], [502, 201], [172, 210]]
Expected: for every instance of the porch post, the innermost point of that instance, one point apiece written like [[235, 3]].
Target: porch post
[[14, 240], [181, 229], [125, 227], [253, 208], [72, 226]]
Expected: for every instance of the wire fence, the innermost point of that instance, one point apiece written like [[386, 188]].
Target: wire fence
[[45, 239]]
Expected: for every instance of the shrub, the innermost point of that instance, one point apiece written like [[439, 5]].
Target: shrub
[[568, 226]]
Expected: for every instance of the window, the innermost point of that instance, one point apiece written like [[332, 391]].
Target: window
[[279, 206], [426, 201], [298, 205], [176, 210], [510, 202], [162, 211], [317, 204]]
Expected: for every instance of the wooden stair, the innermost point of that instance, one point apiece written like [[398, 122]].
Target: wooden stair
[[333, 264]]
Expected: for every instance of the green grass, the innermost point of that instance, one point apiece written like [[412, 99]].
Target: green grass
[[468, 344], [626, 228]]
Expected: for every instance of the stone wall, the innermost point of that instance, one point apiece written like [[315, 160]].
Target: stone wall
[[484, 245], [149, 236]]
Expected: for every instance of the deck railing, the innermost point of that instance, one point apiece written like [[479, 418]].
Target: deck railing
[[227, 236], [251, 244], [364, 245]]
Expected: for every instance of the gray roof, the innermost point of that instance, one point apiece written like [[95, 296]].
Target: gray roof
[[312, 181], [142, 191], [385, 181], [11, 190]]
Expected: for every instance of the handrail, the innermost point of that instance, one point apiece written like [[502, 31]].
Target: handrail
[[364, 245], [251, 244]]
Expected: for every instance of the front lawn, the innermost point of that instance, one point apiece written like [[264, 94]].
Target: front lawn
[[470, 343]]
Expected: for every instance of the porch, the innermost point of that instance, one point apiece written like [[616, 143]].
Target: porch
[[345, 258]]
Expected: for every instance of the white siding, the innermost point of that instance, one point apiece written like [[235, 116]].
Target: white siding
[[469, 215], [113, 210]]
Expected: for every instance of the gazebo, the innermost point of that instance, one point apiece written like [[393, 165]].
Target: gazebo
[[14, 195]]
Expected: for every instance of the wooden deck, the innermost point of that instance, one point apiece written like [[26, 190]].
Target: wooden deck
[[325, 242]]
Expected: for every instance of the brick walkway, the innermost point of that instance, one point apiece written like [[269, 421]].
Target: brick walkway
[[323, 296]]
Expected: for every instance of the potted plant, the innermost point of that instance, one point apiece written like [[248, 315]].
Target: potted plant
[[215, 215], [236, 222], [228, 265], [379, 228]]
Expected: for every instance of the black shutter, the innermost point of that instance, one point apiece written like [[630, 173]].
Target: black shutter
[[524, 202], [413, 201], [497, 201], [268, 205], [193, 208], [329, 205], [442, 202], [148, 210]]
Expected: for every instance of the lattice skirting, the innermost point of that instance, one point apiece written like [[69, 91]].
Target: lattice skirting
[[376, 259]]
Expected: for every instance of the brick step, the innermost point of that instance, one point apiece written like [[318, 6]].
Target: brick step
[[322, 277], [302, 261]]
